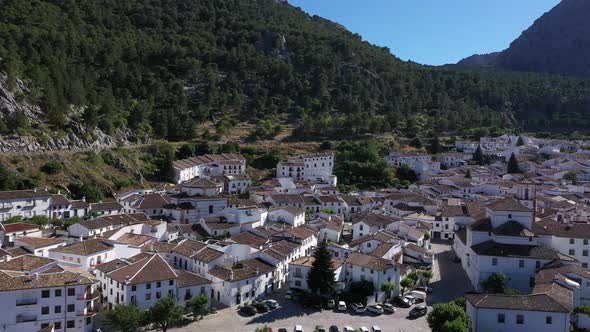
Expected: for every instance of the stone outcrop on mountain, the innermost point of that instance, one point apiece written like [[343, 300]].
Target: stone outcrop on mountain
[[557, 43], [77, 138]]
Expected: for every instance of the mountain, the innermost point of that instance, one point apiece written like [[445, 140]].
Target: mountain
[[167, 68], [557, 43]]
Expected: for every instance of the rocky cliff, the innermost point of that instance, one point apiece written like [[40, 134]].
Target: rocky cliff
[[77, 137]]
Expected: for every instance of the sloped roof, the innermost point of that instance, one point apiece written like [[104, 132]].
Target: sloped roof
[[539, 302], [149, 269]]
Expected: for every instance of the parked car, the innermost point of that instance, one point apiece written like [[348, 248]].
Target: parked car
[[358, 308], [375, 329], [364, 329], [298, 328], [401, 302], [334, 328], [282, 329], [341, 306], [348, 329], [425, 289], [375, 308], [388, 307], [419, 310], [410, 298], [419, 296], [260, 307], [289, 294], [272, 304], [330, 304], [320, 328], [248, 310]]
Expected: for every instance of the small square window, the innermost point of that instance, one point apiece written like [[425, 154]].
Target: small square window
[[57, 292], [494, 261], [71, 291], [71, 324], [45, 311], [519, 319], [521, 263], [158, 284], [71, 307], [45, 293], [548, 320], [133, 288], [57, 309], [501, 318], [572, 241], [572, 252], [57, 325]]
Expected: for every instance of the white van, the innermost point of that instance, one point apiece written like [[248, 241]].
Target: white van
[[418, 295]]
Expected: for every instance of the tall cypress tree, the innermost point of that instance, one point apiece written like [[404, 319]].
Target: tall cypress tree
[[513, 164], [321, 275], [478, 156]]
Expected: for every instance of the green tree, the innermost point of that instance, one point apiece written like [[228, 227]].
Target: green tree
[[425, 276], [571, 176], [165, 313], [186, 151], [446, 312], [434, 145], [387, 287], [478, 157], [407, 284], [495, 283], [321, 275], [52, 167], [513, 164], [125, 318], [198, 306], [456, 325], [405, 173], [360, 290]]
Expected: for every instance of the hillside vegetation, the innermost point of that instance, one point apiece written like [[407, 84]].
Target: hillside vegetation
[[163, 67]]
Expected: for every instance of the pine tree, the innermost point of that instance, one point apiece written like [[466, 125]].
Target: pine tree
[[520, 142], [434, 146], [513, 164], [321, 275], [478, 156]]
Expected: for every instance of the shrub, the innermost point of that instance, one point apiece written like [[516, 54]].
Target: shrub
[[52, 167]]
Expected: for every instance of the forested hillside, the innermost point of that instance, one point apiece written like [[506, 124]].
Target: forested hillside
[[163, 66]]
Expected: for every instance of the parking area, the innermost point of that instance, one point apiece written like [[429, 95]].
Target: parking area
[[448, 282]]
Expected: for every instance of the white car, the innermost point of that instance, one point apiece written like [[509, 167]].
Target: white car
[[411, 299], [375, 308], [348, 329], [298, 328], [272, 304], [358, 308], [364, 329], [341, 306], [375, 329], [388, 307]]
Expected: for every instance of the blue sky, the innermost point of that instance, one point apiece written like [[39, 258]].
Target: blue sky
[[433, 32]]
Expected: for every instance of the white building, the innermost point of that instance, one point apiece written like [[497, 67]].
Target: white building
[[287, 214], [44, 295], [310, 167], [24, 203], [209, 165], [299, 270]]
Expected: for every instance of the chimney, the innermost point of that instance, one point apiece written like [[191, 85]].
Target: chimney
[[127, 280], [78, 277], [35, 190], [84, 199], [36, 276], [231, 275]]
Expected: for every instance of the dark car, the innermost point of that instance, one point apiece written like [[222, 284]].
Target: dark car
[[334, 328], [282, 329], [419, 310], [401, 302], [248, 310], [260, 307]]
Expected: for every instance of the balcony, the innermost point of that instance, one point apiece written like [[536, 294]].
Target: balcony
[[24, 302], [88, 313], [87, 296], [25, 319]]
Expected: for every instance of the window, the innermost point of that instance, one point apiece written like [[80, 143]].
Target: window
[[538, 264], [44, 325], [584, 252], [501, 318], [297, 283], [133, 288], [572, 252], [548, 320], [572, 241], [519, 319], [71, 307], [57, 292], [148, 296], [45, 311], [71, 324], [585, 242], [171, 283], [45, 293], [158, 284], [148, 286], [57, 325], [71, 291], [521, 263], [57, 309], [158, 295], [494, 261], [509, 216]]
